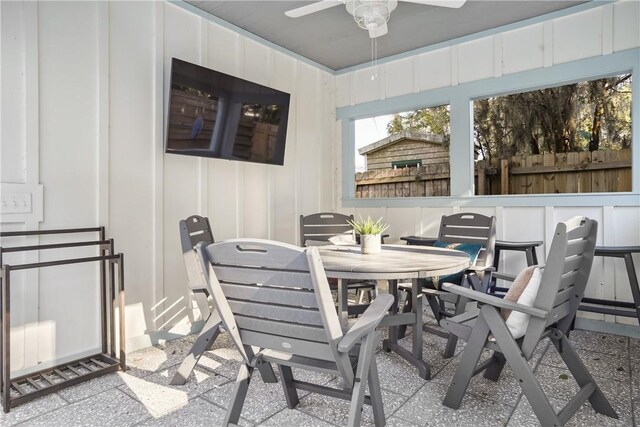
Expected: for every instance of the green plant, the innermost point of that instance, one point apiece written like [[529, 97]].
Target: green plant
[[368, 226]]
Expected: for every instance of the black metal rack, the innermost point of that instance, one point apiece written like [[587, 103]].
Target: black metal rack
[[15, 391]]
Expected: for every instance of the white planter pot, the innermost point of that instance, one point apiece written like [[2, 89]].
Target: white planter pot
[[370, 243]]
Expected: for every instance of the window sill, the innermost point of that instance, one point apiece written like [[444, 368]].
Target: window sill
[[573, 199]]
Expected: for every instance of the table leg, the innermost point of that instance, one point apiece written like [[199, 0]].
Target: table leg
[[391, 344], [416, 297], [393, 330], [633, 282]]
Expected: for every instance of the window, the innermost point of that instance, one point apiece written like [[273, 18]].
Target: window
[[568, 139], [481, 134], [406, 164], [404, 154]]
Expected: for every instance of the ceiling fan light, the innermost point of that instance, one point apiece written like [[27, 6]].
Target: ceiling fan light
[[371, 14]]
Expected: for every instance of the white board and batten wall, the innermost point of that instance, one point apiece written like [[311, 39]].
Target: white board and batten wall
[[595, 32], [83, 112], [82, 122]]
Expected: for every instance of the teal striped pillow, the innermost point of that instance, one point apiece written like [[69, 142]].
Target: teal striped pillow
[[472, 249]]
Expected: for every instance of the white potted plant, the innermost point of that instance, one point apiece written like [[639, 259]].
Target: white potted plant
[[370, 234]]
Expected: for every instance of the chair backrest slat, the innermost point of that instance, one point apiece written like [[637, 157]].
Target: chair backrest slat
[[572, 264], [558, 312], [320, 227], [283, 313], [299, 347], [262, 288], [564, 295], [564, 278], [285, 279], [295, 330], [569, 279], [270, 294], [575, 247], [252, 254], [467, 234]]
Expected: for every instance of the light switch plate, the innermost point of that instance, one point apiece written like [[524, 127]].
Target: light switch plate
[[12, 203], [21, 203]]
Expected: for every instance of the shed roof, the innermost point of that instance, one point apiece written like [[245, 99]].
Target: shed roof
[[401, 136]]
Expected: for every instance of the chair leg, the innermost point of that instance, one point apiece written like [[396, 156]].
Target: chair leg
[[494, 369], [468, 362], [582, 376], [452, 341], [239, 395], [203, 343], [375, 394], [435, 307], [521, 369], [266, 372], [360, 294], [290, 392], [360, 381]]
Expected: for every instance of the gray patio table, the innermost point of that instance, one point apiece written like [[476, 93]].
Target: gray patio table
[[395, 262]]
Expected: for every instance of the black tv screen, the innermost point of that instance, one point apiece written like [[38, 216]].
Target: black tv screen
[[212, 114]]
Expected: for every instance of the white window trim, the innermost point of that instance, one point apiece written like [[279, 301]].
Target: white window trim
[[460, 99]]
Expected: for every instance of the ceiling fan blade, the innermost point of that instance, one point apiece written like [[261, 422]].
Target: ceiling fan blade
[[444, 3], [312, 8], [377, 32]]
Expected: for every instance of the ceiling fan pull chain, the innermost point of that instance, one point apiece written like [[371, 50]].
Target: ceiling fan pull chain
[[374, 58]]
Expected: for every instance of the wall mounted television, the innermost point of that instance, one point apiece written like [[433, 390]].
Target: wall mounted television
[[212, 114]]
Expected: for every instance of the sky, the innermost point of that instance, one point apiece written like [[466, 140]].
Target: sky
[[368, 131]]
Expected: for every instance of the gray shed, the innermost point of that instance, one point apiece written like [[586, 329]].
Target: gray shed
[[405, 149]]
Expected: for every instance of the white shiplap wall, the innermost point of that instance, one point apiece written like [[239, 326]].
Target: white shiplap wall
[[595, 32], [613, 27], [101, 69]]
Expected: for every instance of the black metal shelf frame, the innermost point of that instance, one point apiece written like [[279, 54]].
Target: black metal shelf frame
[[22, 389]]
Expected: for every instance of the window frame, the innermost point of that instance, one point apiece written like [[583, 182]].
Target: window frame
[[460, 98]]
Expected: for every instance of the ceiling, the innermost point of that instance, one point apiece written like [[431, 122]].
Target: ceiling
[[333, 39]]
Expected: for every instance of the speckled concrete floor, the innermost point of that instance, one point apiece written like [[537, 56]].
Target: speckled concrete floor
[[143, 396]]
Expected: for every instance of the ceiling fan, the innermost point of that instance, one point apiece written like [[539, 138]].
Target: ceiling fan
[[371, 15]]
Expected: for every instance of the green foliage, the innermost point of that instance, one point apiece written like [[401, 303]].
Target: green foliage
[[586, 116], [368, 226], [430, 120]]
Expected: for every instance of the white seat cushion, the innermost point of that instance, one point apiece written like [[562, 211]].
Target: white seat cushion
[[517, 322]]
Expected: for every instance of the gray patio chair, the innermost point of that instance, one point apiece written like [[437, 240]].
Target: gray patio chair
[[316, 230], [275, 302], [470, 232], [561, 288], [193, 230]]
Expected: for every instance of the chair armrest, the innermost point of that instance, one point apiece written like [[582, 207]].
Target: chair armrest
[[504, 276], [510, 277], [419, 240], [366, 323], [477, 268], [494, 301]]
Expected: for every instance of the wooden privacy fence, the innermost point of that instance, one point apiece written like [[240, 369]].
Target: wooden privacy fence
[[427, 180], [581, 172], [575, 172]]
